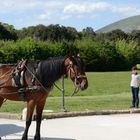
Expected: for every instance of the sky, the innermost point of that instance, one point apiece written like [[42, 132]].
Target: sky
[[74, 13]]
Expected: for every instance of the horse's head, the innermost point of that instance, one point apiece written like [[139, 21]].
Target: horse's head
[[75, 69]]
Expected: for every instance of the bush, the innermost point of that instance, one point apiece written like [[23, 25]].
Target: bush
[[130, 51], [99, 55], [32, 49]]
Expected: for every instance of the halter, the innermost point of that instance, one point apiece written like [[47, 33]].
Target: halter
[[70, 71]]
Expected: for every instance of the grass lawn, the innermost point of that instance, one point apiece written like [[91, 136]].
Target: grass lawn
[[107, 90]]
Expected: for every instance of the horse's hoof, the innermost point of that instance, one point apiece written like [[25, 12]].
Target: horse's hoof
[[24, 138], [37, 138]]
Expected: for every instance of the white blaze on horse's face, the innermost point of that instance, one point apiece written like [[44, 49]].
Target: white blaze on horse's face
[[70, 63]]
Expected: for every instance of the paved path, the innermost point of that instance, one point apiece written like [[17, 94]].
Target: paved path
[[108, 127]]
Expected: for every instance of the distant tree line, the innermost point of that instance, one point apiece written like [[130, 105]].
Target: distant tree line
[[111, 51]]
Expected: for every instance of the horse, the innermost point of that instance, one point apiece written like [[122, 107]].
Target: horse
[[39, 79]]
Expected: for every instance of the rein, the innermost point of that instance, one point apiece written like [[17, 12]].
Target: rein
[[36, 78], [74, 92], [71, 70], [57, 87], [26, 89]]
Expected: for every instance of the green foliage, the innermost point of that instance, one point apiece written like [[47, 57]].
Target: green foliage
[[29, 48], [130, 51], [110, 51], [115, 35], [100, 55], [7, 32], [49, 33]]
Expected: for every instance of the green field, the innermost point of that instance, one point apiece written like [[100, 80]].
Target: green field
[[107, 90]]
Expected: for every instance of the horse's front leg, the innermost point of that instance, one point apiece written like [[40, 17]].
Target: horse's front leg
[[39, 110], [30, 110], [1, 101]]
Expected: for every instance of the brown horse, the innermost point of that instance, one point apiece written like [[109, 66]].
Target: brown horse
[[39, 78]]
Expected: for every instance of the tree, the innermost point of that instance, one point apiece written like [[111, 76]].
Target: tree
[[53, 33], [88, 31], [7, 32], [116, 35], [135, 35]]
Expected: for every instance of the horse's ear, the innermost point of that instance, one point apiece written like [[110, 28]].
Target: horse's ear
[[71, 57], [77, 55]]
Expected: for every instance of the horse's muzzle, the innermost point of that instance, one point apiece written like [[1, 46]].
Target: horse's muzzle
[[83, 85]]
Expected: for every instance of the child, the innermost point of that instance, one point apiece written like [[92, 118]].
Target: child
[[135, 79]]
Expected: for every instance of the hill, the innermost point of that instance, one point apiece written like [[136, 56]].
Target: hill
[[126, 25]]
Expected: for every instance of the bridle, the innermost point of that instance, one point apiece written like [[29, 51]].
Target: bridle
[[71, 70]]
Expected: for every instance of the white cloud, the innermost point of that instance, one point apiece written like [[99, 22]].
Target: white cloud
[[65, 7], [8, 6], [96, 6], [53, 4], [28, 5], [76, 8], [44, 16], [65, 17], [99, 6], [126, 10]]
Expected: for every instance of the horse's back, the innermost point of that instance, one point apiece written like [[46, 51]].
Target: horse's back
[[6, 67]]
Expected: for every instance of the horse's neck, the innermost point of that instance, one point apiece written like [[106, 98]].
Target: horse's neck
[[51, 71]]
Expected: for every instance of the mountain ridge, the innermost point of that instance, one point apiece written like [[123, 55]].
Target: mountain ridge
[[127, 25]]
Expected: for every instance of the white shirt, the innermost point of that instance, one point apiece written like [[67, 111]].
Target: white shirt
[[135, 79]]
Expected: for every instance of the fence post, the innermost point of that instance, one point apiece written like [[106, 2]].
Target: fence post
[[63, 96]]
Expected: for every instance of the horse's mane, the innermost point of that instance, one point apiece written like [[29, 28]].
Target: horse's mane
[[48, 71], [51, 70]]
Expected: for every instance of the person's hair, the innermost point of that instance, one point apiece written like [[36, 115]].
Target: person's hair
[[134, 68]]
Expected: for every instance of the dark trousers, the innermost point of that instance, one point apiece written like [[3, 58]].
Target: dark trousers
[[135, 96]]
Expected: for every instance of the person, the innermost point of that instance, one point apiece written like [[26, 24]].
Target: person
[[135, 79]]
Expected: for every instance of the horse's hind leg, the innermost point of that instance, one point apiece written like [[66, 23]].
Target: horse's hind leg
[[1, 101]]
